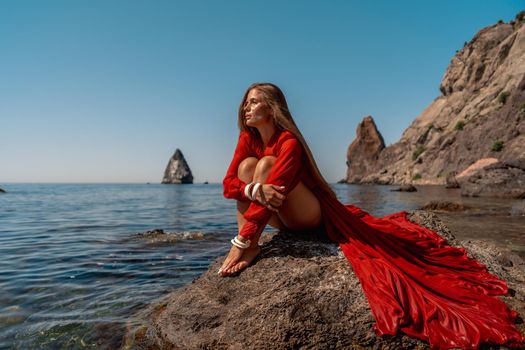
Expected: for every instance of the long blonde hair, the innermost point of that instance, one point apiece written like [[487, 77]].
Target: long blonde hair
[[282, 119]]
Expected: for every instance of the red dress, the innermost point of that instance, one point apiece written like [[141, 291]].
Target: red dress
[[414, 281]]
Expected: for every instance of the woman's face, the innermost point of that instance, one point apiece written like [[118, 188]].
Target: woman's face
[[256, 110]]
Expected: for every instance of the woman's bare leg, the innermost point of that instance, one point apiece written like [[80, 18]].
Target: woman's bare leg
[[246, 173], [300, 210]]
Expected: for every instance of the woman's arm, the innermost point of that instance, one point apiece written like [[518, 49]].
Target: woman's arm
[[285, 172], [233, 186]]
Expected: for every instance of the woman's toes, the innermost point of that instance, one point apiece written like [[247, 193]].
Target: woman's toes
[[247, 258], [226, 271]]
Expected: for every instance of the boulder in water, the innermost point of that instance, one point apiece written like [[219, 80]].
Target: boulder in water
[[500, 179], [405, 188]]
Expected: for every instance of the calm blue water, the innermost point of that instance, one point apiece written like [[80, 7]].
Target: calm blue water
[[74, 270]]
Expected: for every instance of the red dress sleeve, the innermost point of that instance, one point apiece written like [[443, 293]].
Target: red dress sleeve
[[285, 172], [233, 187]]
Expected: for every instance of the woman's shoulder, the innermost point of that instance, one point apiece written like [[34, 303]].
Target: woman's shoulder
[[283, 135], [248, 139], [245, 136], [288, 141], [286, 135]]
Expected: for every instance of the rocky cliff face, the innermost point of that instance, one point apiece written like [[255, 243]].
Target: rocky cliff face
[[177, 171], [301, 293], [480, 114]]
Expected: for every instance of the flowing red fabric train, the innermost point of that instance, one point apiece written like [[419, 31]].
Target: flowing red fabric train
[[414, 281], [417, 283]]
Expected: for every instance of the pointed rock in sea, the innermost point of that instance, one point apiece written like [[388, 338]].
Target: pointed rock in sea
[[177, 171], [363, 152]]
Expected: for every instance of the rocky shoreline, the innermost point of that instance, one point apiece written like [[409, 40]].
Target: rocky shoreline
[[472, 136], [300, 293]]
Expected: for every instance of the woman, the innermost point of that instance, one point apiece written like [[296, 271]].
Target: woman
[[414, 281]]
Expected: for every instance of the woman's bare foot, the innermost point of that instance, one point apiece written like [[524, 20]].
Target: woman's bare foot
[[249, 254], [234, 256]]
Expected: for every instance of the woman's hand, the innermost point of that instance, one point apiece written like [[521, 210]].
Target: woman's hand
[[233, 257], [270, 196]]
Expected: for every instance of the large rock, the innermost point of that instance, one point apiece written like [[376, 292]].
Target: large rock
[[501, 179], [301, 293], [363, 151], [177, 171], [480, 114], [478, 165], [444, 206]]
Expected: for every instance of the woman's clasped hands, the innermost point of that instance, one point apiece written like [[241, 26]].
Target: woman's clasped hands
[[270, 196]]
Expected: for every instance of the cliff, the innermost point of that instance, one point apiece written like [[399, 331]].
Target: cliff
[[479, 115]]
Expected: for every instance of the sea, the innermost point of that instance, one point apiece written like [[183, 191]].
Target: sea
[[77, 263]]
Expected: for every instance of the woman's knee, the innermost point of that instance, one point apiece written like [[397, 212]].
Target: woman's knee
[[265, 164], [246, 169]]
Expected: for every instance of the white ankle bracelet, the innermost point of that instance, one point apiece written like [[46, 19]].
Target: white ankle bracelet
[[243, 245]]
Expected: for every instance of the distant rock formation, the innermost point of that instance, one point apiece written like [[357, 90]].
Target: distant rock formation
[[480, 115], [363, 152], [177, 171], [301, 293], [2, 190]]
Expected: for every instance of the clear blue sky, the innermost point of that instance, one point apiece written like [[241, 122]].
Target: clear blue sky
[[105, 91]]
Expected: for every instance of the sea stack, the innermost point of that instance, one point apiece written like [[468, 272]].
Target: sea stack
[[177, 171], [363, 151]]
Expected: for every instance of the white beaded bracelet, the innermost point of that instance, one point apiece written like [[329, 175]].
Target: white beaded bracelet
[[243, 245]]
